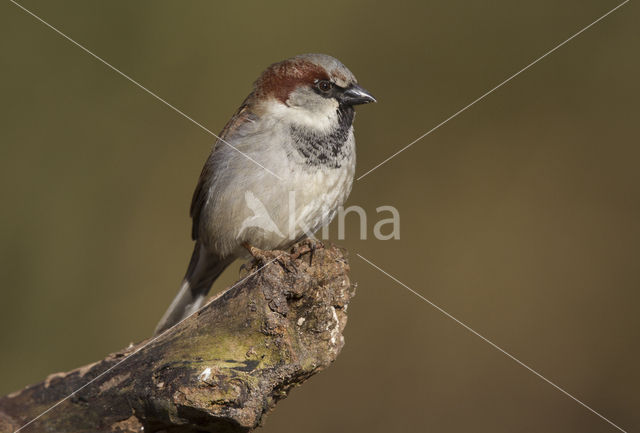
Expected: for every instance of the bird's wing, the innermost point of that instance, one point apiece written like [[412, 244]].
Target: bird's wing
[[201, 192]]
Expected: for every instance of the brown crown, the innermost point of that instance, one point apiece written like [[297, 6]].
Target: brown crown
[[280, 79]]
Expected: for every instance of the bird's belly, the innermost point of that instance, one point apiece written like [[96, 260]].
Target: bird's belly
[[320, 196], [283, 212], [249, 205]]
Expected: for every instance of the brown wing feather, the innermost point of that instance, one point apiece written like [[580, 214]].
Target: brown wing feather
[[202, 188]]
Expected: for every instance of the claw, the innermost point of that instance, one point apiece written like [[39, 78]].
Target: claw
[[300, 252], [311, 251], [286, 266], [307, 246], [246, 267]]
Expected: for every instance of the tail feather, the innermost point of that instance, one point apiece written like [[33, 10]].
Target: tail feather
[[203, 270]]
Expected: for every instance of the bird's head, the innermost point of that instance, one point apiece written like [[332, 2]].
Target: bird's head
[[309, 89]]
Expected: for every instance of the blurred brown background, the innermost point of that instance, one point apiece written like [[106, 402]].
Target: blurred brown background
[[520, 217]]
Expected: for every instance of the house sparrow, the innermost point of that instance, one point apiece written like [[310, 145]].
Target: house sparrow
[[282, 167]]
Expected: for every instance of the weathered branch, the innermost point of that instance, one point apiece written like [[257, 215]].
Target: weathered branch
[[221, 370]]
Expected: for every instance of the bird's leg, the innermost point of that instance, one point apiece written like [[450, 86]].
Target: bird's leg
[[260, 256], [255, 253]]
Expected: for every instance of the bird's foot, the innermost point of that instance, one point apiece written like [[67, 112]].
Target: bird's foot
[[261, 258], [306, 246]]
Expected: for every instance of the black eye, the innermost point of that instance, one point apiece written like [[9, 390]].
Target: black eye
[[324, 85]]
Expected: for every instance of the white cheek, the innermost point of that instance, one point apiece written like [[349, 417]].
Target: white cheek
[[322, 118]]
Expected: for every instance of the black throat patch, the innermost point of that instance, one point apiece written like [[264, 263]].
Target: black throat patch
[[325, 149]]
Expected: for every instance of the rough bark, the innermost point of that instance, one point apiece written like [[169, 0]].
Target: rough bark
[[220, 370]]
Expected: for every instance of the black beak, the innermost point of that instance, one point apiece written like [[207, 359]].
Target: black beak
[[356, 95]]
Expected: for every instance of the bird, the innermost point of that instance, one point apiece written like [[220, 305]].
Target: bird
[[279, 171]]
